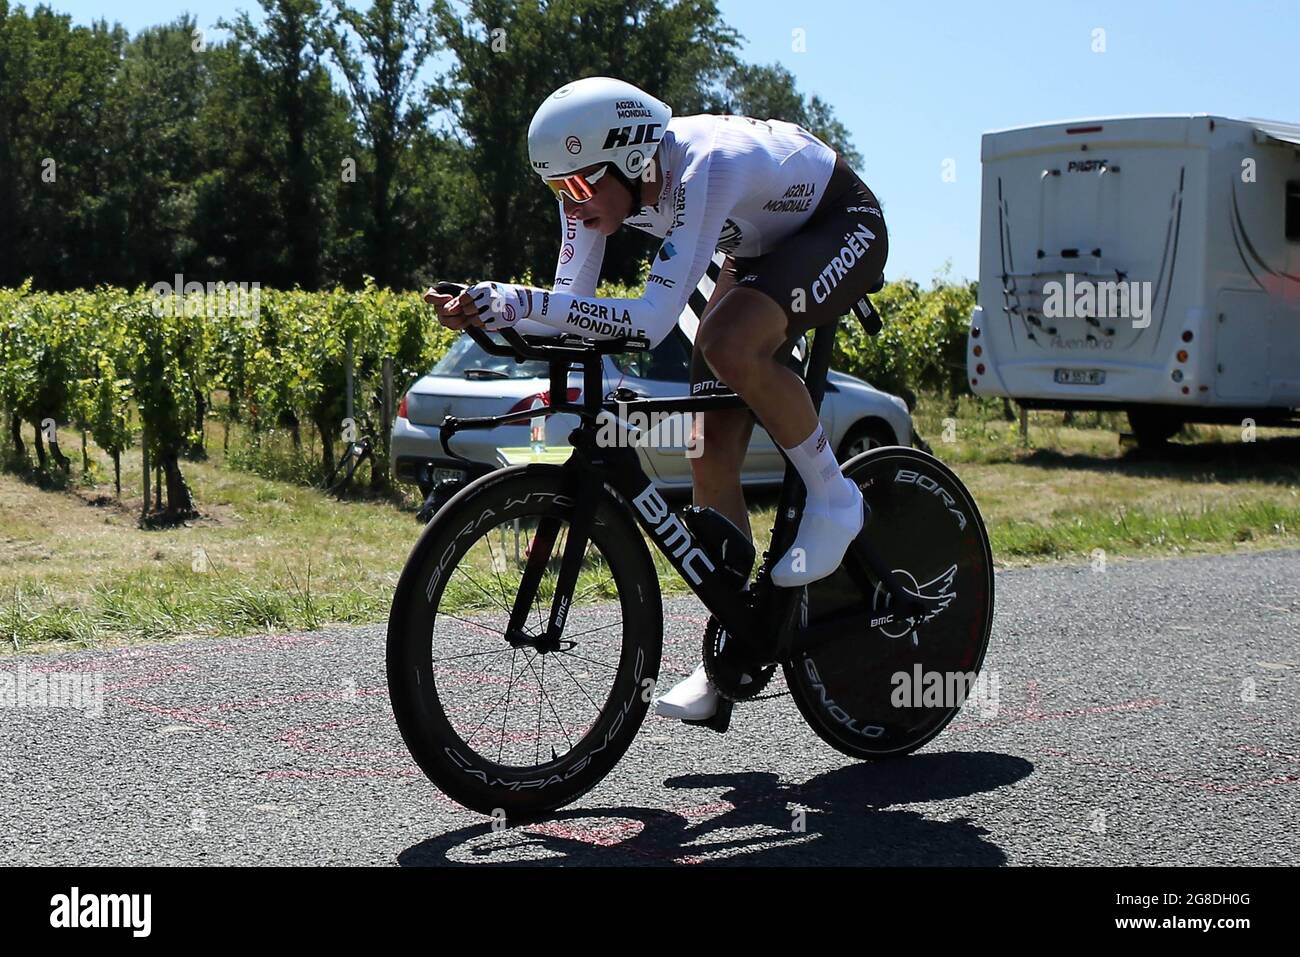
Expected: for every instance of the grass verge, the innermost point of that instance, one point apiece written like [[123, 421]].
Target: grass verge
[[76, 570]]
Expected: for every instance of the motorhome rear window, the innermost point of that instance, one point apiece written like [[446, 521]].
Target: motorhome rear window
[[1293, 212]]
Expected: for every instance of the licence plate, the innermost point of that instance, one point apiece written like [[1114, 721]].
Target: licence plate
[[1080, 376], [442, 475]]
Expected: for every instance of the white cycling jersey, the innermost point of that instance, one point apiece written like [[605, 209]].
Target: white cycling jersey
[[729, 183]]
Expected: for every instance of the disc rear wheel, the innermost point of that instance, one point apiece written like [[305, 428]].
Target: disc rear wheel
[[885, 690]]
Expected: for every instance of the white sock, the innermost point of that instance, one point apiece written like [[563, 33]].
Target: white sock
[[827, 488]]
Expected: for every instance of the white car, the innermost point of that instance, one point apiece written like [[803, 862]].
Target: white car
[[469, 382]]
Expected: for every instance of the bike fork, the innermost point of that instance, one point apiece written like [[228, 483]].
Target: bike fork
[[583, 491]]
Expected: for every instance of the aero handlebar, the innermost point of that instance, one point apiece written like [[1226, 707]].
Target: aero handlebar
[[543, 348]]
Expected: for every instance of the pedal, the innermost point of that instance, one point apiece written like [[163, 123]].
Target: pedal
[[438, 497], [429, 508], [721, 719]]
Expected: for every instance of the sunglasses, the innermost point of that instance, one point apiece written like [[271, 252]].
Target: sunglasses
[[576, 187]]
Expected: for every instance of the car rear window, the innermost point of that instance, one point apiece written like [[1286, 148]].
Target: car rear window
[[465, 355], [667, 362]]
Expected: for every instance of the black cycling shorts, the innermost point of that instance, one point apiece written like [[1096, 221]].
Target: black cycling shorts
[[816, 274]]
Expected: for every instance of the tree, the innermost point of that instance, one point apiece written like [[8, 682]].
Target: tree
[[769, 92], [511, 55], [54, 83], [393, 39], [11, 54], [144, 229], [127, 160], [277, 131]]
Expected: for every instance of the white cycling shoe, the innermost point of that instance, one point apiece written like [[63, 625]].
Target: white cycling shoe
[[819, 545], [694, 699]]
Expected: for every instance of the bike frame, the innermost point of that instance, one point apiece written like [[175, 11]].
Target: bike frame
[[763, 618]]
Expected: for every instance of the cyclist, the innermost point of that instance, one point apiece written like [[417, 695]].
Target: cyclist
[[804, 239]]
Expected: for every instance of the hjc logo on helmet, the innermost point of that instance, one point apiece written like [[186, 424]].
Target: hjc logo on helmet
[[624, 135]]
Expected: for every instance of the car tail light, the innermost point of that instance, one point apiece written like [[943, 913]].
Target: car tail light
[[401, 407]]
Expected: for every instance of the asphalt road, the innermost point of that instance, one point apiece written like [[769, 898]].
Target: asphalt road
[[1145, 714]]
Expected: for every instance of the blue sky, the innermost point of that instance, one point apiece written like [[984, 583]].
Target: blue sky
[[918, 81]]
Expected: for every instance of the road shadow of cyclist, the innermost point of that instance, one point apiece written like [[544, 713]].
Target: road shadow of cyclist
[[841, 817]]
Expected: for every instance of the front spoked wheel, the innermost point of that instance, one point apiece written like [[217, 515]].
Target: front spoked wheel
[[883, 688], [509, 722]]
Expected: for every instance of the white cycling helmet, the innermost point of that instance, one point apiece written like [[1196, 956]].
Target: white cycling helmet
[[596, 120]]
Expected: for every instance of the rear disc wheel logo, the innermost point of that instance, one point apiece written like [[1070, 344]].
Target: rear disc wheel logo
[[937, 593]]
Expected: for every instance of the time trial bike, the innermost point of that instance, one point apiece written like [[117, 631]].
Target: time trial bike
[[526, 629]]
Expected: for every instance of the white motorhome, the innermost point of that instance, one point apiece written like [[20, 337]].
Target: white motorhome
[[1149, 263]]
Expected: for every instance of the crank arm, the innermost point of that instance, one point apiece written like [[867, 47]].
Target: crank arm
[[864, 564]]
